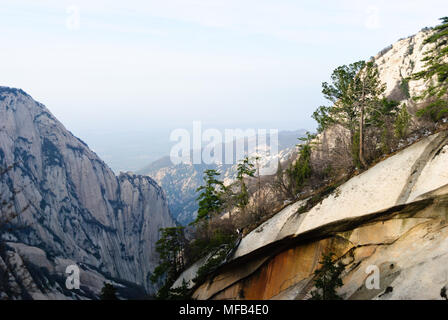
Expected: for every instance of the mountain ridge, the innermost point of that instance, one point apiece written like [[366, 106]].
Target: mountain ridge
[[181, 181], [79, 210]]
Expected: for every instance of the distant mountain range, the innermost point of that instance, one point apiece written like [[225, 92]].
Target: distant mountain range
[[181, 181]]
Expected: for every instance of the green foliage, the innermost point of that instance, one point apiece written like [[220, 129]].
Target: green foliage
[[245, 168], [435, 110], [170, 248], [355, 149], [201, 247], [211, 265], [404, 86], [210, 238], [210, 200], [300, 171], [383, 111], [354, 94], [383, 117], [354, 87], [436, 66], [328, 171], [218, 251], [108, 292], [328, 279], [402, 122], [443, 293], [373, 111], [342, 111], [179, 293]]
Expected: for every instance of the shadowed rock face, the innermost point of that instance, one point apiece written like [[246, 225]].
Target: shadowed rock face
[[80, 212]]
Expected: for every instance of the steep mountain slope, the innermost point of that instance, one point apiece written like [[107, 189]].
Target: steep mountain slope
[[390, 219], [393, 217], [79, 211], [181, 181]]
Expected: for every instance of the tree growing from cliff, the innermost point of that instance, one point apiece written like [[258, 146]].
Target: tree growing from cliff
[[388, 119], [245, 169], [436, 72], [367, 90], [355, 94], [170, 248], [327, 279], [300, 171], [402, 122], [343, 110], [108, 292], [210, 200]]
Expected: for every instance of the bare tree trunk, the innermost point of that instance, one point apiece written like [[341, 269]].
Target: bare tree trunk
[[361, 139], [361, 128]]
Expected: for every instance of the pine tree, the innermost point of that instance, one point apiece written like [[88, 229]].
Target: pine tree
[[328, 279], [108, 292], [402, 122], [300, 171], [210, 200], [170, 248], [180, 293], [343, 110], [366, 91], [355, 93], [245, 168], [436, 72]]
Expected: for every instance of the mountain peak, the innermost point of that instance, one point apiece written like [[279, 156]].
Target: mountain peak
[[79, 212]]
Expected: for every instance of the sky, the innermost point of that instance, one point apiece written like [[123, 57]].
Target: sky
[[121, 75]]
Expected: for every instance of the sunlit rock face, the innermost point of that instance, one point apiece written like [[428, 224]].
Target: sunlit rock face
[[393, 216], [400, 61], [407, 245], [79, 211], [410, 253]]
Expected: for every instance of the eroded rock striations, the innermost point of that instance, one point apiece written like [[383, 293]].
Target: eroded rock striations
[[391, 219], [79, 211]]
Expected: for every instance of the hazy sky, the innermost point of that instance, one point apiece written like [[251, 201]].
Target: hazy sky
[[126, 68]]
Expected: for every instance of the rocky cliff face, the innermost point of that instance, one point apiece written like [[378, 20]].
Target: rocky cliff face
[[79, 211], [391, 218]]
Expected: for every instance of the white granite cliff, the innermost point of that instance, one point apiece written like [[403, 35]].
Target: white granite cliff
[[80, 212]]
